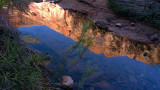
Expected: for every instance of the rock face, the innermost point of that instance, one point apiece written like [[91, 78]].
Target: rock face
[[68, 22]]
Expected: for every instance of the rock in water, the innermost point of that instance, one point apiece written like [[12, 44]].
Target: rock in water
[[66, 82]]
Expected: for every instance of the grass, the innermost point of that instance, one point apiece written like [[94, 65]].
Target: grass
[[149, 14], [20, 68]]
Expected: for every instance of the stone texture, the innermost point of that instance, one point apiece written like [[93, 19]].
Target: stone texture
[[66, 82]]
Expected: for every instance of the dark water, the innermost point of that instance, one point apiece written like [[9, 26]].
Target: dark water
[[112, 73]]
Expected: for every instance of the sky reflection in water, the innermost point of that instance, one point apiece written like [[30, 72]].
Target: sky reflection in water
[[113, 72]]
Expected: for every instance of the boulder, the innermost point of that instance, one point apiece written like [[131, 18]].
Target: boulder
[[66, 82]]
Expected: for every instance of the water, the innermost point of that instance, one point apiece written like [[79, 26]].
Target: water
[[118, 72]]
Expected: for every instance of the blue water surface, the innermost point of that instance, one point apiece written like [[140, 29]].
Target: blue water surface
[[113, 73]]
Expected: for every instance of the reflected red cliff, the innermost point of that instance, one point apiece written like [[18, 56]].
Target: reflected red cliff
[[69, 23]]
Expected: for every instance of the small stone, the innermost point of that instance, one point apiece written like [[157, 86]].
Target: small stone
[[132, 24], [118, 25], [66, 82], [154, 37]]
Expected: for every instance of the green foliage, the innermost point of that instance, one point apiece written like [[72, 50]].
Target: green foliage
[[83, 39], [2, 3], [19, 67], [149, 15], [81, 47]]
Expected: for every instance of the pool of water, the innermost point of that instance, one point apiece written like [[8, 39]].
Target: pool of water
[[112, 73]]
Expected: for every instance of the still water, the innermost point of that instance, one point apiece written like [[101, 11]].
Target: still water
[[112, 73]]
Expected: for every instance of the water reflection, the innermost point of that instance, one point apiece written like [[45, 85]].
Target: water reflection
[[108, 43], [119, 72], [30, 39]]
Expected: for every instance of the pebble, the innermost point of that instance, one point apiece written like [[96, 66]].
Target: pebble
[[118, 25], [132, 24]]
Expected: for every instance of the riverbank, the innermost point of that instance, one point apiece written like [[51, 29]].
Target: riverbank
[[20, 67]]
